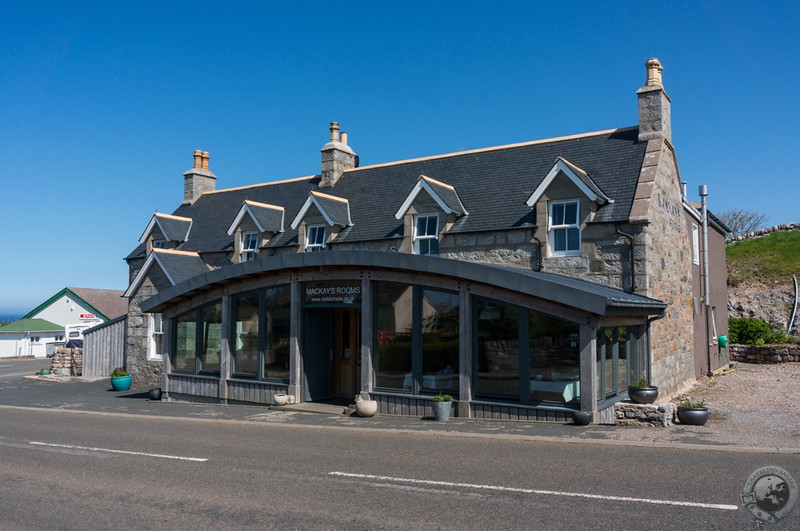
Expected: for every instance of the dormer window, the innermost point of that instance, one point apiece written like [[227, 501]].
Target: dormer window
[[565, 234], [315, 238], [249, 246], [426, 234], [159, 244]]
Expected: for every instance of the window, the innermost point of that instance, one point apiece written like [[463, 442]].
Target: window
[[619, 361], [198, 353], [416, 339], [262, 320], [426, 235], [565, 234], [695, 244], [159, 244], [315, 238], [185, 343], [155, 347], [249, 246]]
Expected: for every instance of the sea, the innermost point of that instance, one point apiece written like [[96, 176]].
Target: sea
[[9, 317]]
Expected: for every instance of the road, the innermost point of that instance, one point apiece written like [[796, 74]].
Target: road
[[103, 468]]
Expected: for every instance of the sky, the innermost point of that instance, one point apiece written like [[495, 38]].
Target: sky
[[102, 104]]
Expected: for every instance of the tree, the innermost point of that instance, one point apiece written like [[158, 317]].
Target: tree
[[742, 221]]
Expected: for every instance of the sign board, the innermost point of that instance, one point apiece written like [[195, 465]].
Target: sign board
[[88, 316], [332, 292]]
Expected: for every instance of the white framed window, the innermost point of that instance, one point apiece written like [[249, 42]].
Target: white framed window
[[695, 244], [155, 347], [159, 244], [249, 246], [565, 232], [315, 238], [426, 234]]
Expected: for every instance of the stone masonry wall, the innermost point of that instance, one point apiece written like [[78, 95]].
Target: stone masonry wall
[[668, 273], [765, 353], [143, 370]]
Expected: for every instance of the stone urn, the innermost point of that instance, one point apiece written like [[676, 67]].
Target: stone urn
[[693, 416], [643, 395], [280, 399], [366, 408]]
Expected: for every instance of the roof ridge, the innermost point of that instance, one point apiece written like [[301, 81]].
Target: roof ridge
[[327, 196], [175, 251], [259, 184], [265, 205], [495, 148], [171, 216]]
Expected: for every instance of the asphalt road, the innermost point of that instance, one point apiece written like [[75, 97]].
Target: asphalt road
[[106, 465]]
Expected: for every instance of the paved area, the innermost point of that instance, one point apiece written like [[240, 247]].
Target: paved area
[[77, 396]]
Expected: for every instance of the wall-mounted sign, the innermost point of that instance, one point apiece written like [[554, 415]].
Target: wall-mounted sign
[[88, 316], [332, 292]]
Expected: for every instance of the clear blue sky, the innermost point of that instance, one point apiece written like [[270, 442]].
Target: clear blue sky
[[102, 104]]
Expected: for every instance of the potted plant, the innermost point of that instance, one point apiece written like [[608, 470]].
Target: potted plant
[[44, 372], [441, 406], [120, 380], [581, 418], [366, 407], [692, 413], [642, 393]]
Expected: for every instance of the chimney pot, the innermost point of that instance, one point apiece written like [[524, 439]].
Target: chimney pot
[[334, 131], [654, 69], [198, 158], [205, 160], [344, 138]]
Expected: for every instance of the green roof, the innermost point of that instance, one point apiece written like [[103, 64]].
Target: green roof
[[30, 325]]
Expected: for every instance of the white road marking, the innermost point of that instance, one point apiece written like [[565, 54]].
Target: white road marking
[[70, 447], [536, 491]]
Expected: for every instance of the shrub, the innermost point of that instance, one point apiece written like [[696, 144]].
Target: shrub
[[751, 331], [442, 398], [686, 403], [119, 372]]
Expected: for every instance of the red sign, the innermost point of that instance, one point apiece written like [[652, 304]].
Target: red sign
[[88, 316]]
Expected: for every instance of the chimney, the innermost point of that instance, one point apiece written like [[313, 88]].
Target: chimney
[[337, 157], [654, 105], [198, 179]]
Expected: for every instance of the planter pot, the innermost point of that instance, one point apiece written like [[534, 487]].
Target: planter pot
[[441, 410], [693, 416], [581, 418], [123, 383], [44, 372], [366, 408], [643, 395], [280, 399], [155, 393]]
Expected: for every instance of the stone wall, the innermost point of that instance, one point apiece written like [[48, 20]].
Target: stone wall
[[143, 370], [765, 353], [67, 361], [764, 232]]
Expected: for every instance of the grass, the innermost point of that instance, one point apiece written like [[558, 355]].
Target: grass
[[771, 259]]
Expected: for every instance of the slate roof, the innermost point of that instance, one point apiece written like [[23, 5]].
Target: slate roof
[[268, 217], [442, 193], [336, 209], [30, 325], [493, 185], [178, 266], [173, 228]]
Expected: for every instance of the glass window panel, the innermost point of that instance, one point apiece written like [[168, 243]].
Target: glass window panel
[[212, 338], [555, 359], [393, 336], [573, 239], [277, 323], [439, 341], [622, 359], [558, 214], [560, 239], [498, 349], [185, 341], [245, 347], [570, 213]]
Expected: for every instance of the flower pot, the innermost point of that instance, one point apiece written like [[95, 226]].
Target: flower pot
[[693, 416], [122, 383], [366, 408], [441, 410], [280, 399], [581, 418], [155, 393], [44, 372], [643, 395]]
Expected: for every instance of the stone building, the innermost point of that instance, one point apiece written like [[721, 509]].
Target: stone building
[[527, 280]]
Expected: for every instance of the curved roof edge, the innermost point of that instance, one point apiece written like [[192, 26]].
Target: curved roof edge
[[580, 294]]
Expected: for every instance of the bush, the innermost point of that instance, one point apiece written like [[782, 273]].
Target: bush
[[119, 372], [751, 331]]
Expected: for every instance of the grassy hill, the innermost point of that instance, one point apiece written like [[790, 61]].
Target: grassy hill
[[770, 259]]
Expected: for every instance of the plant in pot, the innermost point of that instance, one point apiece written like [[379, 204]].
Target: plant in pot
[[120, 379], [642, 393], [45, 372], [692, 413], [441, 406], [366, 407]]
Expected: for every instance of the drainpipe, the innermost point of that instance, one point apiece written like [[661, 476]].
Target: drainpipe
[[630, 240], [706, 295], [539, 250]]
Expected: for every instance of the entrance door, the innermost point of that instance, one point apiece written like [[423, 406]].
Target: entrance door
[[316, 355], [346, 350]]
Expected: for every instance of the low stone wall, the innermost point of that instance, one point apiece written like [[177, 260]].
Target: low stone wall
[[764, 353], [764, 232], [632, 414], [67, 361]]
